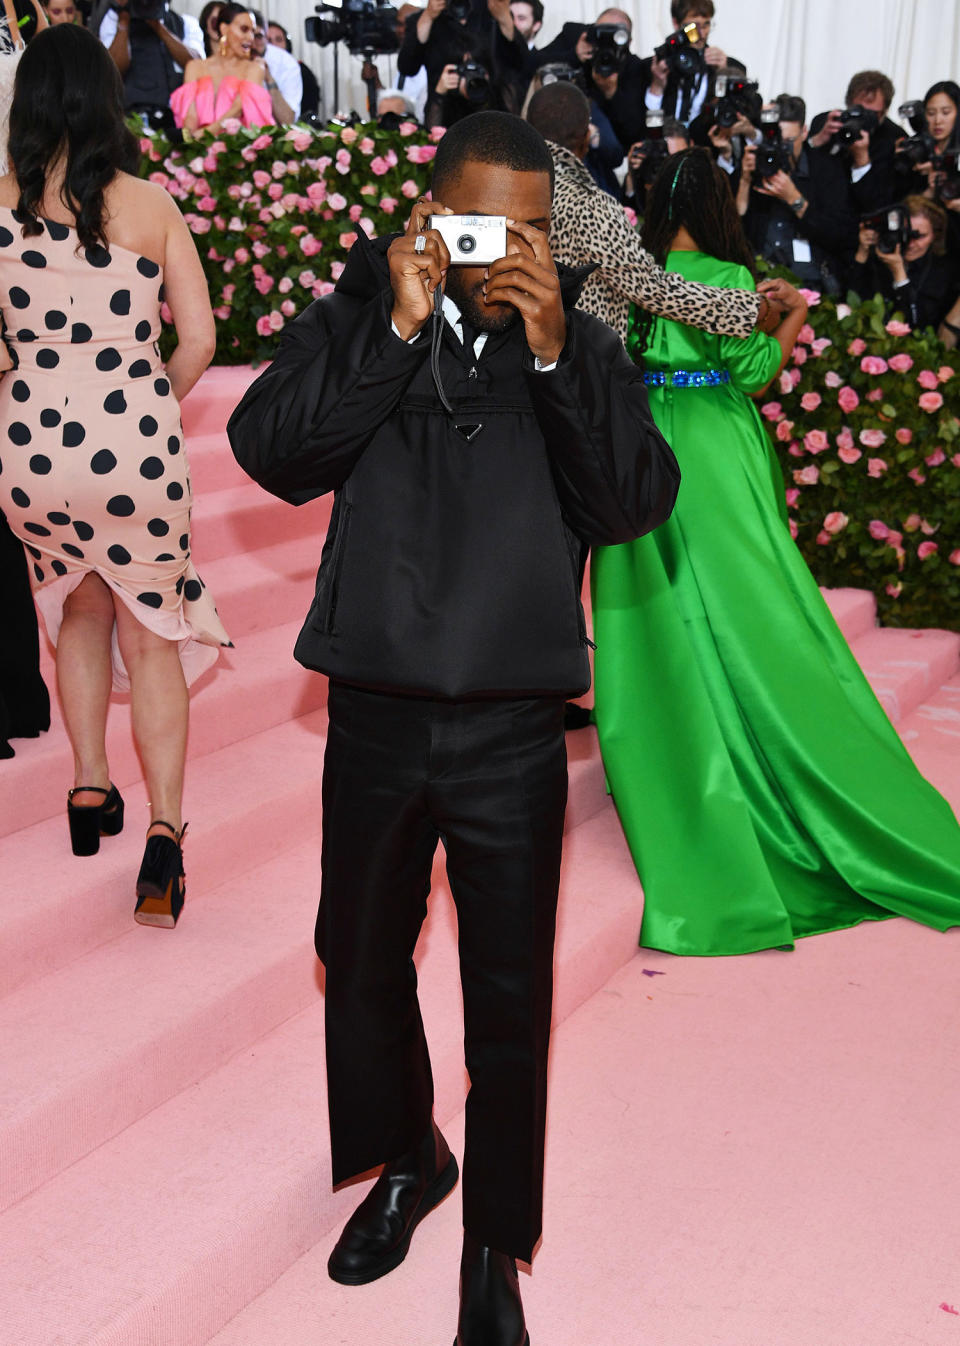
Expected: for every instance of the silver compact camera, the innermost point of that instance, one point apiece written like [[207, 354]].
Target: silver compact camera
[[472, 240]]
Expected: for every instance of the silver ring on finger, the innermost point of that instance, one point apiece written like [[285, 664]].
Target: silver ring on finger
[[420, 242]]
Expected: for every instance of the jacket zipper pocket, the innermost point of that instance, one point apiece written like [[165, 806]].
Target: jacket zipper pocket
[[335, 565]]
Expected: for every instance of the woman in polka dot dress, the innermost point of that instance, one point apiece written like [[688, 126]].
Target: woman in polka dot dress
[[93, 477]]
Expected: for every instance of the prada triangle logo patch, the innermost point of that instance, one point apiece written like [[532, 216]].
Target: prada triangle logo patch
[[470, 430]]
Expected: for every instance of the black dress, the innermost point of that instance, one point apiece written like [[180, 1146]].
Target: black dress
[[24, 700]]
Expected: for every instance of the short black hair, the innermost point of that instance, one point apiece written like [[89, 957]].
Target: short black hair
[[491, 138], [679, 9], [869, 81], [791, 108], [561, 113], [537, 8]]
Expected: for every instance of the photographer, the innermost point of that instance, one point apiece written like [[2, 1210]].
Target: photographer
[[605, 153], [913, 273], [473, 54], [612, 74], [644, 160], [284, 81], [681, 75], [277, 36], [795, 204], [870, 154], [150, 44]]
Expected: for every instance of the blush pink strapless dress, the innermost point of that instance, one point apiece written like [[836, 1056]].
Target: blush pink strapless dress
[[255, 106]]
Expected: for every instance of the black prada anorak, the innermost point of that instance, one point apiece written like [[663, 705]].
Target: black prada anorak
[[454, 557]]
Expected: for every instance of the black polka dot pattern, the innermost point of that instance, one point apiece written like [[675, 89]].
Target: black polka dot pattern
[[93, 464]]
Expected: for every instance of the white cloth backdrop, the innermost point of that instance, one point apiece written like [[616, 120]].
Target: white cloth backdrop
[[809, 47]]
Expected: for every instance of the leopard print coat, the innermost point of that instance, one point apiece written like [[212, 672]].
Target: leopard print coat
[[588, 225]]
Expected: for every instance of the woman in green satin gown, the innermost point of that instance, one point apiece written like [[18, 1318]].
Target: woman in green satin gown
[[762, 789]]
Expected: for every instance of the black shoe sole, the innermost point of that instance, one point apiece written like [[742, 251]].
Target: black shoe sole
[[441, 1186], [526, 1340]]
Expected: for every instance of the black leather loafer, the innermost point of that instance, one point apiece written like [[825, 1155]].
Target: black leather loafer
[[491, 1313]]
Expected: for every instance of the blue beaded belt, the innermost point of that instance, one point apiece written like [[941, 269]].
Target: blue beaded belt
[[686, 378]]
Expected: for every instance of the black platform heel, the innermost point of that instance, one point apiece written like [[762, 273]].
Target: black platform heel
[[161, 885], [90, 822]]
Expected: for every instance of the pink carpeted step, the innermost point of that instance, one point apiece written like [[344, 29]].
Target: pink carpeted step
[[932, 735], [169, 1228], [252, 687], [213, 466], [242, 519], [854, 611], [206, 410], [263, 588], [904, 667]]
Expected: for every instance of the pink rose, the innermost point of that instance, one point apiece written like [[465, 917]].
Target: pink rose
[[310, 246], [876, 467], [421, 154], [956, 460], [820, 345], [367, 225], [794, 530], [799, 355], [275, 191], [343, 161], [285, 285], [160, 178], [410, 189], [894, 590], [201, 226], [912, 522], [795, 450], [897, 328], [261, 179], [630, 216], [307, 279], [811, 296], [901, 363], [814, 441], [872, 439], [336, 270], [904, 435], [249, 154], [806, 334], [944, 373], [807, 476], [954, 557], [222, 313], [930, 401], [794, 376], [276, 320], [264, 284], [288, 308], [936, 458], [916, 475], [228, 292], [927, 379], [261, 142], [878, 529], [335, 201], [771, 410], [832, 379], [317, 193], [388, 204], [436, 132], [849, 455], [347, 240], [792, 496], [355, 211], [783, 431], [261, 249], [301, 140], [848, 399], [927, 549], [263, 326], [786, 383], [366, 145], [379, 166], [894, 539], [872, 364], [836, 522], [857, 346], [322, 288], [845, 438], [928, 529], [348, 135], [823, 538]]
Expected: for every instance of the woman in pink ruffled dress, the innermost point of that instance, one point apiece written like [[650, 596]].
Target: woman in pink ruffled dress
[[231, 83]]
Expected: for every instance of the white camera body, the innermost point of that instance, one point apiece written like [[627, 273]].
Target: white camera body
[[472, 240]]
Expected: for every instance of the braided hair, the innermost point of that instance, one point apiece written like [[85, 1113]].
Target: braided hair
[[690, 191]]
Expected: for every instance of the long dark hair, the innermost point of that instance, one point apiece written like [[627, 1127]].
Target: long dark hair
[[68, 101], [952, 91], [691, 191], [205, 13], [229, 12]]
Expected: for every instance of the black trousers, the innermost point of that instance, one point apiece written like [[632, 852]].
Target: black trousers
[[489, 779]]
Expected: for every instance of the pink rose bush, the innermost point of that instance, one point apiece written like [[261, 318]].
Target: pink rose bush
[[866, 385], [276, 209]]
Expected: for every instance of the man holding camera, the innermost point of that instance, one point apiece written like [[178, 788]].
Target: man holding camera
[[796, 204], [150, 44], [680, 77], [865, 138], [611, 73], [473, 53], [443, 403]]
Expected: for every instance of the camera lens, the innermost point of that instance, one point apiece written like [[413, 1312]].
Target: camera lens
[[466, 243]]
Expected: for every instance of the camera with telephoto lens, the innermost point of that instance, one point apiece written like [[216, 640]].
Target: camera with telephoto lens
[[853, 122], [476, 81], [738, 98], [556, 72], [892, 225], [472, 240], [681, 54], [773, 154], [611, 43], [919, 148], [364, 25]]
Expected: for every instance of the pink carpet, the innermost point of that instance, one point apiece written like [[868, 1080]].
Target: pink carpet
[[742, 1152]]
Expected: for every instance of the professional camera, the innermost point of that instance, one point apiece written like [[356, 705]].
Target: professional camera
[[610, 42], [773, 155], [555, 72], [459, 10], [142, 9], [738, 98], [654, 149], [915, 113], [681, 54], [948, 188], [920, 148], [854, 121], [476, 81], [364, 25], [892, 225], [472, 240]]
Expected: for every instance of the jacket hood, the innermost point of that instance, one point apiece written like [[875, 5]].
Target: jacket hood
[[367, 271]]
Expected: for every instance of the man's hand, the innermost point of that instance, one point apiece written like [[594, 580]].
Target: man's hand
[[501, 15], [584, 49], [527, 279], [771, 313], [860, 150], [715, 57], [607, 84], [425, 22], [827, 131], [894, 263], [449, 80], [781, 185], [867, 239], [415, 275], [748, 164], [659, 70]]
